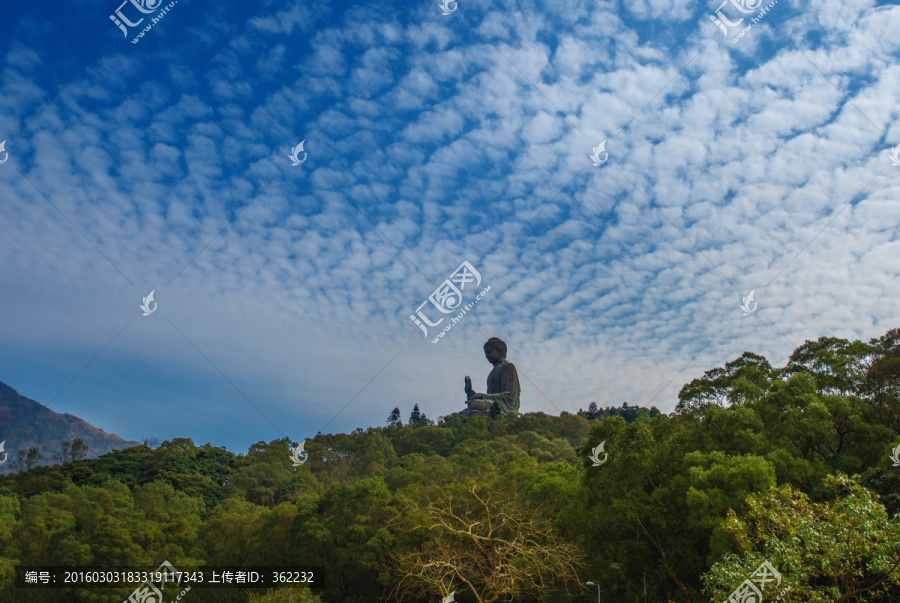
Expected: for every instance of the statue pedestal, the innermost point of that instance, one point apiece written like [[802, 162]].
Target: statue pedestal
[[472, 412]]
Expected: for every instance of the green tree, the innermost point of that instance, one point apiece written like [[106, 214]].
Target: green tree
[[394, 418], [415, 416], [836, 365], [741, 380], [418, 418], [719, 484], [882, 385], [637, 505], [10, 511], [266, 474], [347, 532], [230, 531], [837, 551]]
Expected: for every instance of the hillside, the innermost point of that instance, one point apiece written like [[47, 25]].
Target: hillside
[[786, 466], [26, 423]]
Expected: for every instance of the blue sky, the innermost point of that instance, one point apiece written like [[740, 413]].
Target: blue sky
[[284, 292]]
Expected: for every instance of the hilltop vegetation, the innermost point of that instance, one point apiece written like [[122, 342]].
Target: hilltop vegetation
[[787, 465]]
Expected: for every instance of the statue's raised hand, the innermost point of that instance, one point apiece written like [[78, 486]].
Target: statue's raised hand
[[469, 391]]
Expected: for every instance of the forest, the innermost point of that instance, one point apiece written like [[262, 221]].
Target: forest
[[785, 479]]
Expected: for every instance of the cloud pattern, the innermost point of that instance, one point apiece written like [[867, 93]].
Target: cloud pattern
[[285, 291]]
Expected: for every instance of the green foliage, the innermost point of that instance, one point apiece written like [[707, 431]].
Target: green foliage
[[740, 381], [752, 466], [418, 418], [836, 365], [346, 531], [394, 418], [425, 440], [265, 476], [628, 413], [845, 549], [286, 595], [882, 382]]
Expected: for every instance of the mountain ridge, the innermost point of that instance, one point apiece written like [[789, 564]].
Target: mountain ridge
[[26, 423]]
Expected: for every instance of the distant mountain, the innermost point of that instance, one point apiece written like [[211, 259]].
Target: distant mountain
[[25, 423]]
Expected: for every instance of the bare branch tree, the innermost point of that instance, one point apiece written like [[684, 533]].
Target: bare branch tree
[[19, 463], [152, 442], [79, 449], [486, 541], [65, 453], [32, 457]]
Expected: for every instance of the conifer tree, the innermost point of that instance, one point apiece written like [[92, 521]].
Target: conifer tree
[[394, 418]]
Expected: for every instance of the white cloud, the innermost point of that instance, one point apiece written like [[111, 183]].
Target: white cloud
[[446, 153]]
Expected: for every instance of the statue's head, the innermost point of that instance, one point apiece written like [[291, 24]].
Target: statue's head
[[498, 344]]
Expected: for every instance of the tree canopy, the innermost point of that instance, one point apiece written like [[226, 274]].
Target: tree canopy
[[786, 466]]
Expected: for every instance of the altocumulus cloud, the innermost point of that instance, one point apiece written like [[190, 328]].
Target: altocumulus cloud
[[284, 292]]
